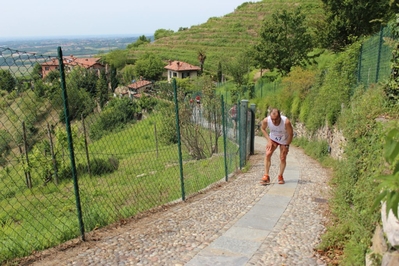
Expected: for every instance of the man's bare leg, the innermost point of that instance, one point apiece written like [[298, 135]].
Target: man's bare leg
[[268, 157]]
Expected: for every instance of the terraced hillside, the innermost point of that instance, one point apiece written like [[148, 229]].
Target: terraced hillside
[[223, 37]]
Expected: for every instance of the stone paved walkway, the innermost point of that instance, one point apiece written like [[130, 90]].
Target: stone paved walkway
[[239, 222]]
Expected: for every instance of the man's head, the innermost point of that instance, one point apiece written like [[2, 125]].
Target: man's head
[[275, 115]]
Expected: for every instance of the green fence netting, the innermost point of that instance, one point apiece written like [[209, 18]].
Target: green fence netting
[[78, 152], [375, 58]]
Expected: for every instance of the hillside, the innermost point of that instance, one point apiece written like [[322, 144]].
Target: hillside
[[223, 37]]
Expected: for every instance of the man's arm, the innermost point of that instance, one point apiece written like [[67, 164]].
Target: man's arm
[[290, 131], [263, 128]]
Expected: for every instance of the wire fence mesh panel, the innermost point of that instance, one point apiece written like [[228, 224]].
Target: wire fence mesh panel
[[125, 160], [79, 152], [201, 129], [264, 88], [36, 200], [131, 164], [375, 58], [232, 136]]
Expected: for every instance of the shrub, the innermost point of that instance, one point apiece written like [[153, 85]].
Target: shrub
[[99, 166]]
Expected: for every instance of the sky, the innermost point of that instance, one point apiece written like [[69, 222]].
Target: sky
[[45, 18]]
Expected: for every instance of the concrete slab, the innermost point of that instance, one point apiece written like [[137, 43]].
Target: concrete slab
[[251, 234], [286, 191], [233, 260], [232, 245], [273, 199], [258, 222]]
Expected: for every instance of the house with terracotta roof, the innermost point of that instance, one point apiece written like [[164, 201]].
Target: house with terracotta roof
[[70, 62], [139, 87], [178, 69]]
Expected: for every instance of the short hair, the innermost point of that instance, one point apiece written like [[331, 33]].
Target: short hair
[[275, 110]]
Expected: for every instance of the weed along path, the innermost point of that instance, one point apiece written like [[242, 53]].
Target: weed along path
[[238, 222]]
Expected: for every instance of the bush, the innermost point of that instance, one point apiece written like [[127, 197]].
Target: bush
[[100, 166], [115, 115]]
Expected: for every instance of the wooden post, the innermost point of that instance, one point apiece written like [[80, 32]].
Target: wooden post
[[86, 145], [27, 176], [156, 137], [52, 154]]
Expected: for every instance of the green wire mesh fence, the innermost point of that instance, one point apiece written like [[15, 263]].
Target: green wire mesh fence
[[375, 58], [78, 152]]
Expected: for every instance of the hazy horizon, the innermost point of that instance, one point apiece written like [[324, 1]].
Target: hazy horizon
[[66, 37], [28, 19]]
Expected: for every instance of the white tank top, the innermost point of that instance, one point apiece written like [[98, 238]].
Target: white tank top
[[278, 133]]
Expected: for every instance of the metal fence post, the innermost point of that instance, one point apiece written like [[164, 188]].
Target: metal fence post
[[224, 138], [243, 132], [70, 143], [183, 194], [360, 64], [253, 111], [377, 72]]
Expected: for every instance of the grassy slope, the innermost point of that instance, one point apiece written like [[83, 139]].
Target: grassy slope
[[223, 37]]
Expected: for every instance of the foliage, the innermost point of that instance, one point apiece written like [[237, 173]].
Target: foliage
[[219, 72], [347, 20], [392, 87], [82, 78], [99, 166], [161, 33], [334, 86], [48, 167], [116, 114], [117, 59], [354, 186], [284, 42], [7, 81], [149, 66], [36, 72], [201, 59], [102, 94], [295, 88], [5, 139], [113, 78], [52, 76], [142, 40], [389, 185], [127, 74], [147, 103], [192, 116], [185, 85], [80, 103], [167, 129], [239, 68]]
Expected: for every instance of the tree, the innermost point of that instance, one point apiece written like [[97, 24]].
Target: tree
[[220, 73], [36, 72], [239, 67], [7, 81], [82, 78], [284, 42], [142, 40], [128, 74], [102, 90], [201, 58], [149, 66], [349, 19], [113, 79], [161, 33], [117, 59]]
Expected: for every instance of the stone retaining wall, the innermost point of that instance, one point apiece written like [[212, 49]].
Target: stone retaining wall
[[333, 136]]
